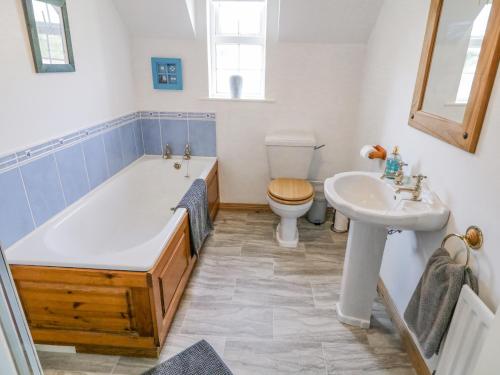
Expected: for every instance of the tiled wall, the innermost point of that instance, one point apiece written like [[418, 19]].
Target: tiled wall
[[176, 129], [39, 182]]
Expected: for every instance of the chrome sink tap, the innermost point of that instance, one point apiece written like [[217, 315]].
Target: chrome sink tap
[[167, 153], [187, 152], [416, 191]]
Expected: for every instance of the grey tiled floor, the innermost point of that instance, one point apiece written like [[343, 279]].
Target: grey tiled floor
[[266, 310]]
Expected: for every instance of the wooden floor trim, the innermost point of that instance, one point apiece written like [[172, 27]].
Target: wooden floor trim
[[244, 207], [410, 346]]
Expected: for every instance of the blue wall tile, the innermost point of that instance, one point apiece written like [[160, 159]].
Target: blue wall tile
[[202, 138], [138, 137], [44, 188], [95, 158], [73, 173], [175, 133], [151, 136], [130, 153], [15, 215], [113, 148]]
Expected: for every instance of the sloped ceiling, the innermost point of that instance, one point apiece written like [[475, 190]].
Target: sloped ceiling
[[327, 21], [158, 18], [309, 21]]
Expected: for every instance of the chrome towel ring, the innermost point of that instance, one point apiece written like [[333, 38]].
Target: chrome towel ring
[[473, 239]]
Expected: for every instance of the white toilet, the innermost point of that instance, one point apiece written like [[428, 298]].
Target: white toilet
[[290, 195]]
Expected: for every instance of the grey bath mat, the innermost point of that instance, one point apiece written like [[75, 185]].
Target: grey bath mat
[[199, 359]]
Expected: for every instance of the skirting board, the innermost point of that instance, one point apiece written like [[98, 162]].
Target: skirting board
[[244, 207], [411, 347]]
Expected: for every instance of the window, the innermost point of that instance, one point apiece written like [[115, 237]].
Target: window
[[472, 57], [237, 46]]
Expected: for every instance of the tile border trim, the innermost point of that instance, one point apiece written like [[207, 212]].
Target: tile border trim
[[26, 155]]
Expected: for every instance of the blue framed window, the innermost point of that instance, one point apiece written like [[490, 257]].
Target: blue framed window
[[167, 73]]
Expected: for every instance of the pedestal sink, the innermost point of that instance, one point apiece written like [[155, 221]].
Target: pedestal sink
[[374, 207]]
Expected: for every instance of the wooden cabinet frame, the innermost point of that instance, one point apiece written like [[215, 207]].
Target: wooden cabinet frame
[[464, 135], [111, 311]]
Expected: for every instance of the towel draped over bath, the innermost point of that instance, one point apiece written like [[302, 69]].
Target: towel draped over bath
[[431, 306], [195, 201]]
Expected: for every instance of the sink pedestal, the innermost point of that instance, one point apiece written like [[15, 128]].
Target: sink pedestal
[[365, 248]]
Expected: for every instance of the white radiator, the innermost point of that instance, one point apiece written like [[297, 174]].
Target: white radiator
[[468, 330]]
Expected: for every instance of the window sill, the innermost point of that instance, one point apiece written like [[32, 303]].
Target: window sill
[[248, 100]]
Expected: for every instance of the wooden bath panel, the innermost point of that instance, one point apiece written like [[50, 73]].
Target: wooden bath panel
[[107, 311]]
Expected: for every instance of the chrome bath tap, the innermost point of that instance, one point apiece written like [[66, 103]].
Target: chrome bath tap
[[167, 153], [415, 191], [187, 152]]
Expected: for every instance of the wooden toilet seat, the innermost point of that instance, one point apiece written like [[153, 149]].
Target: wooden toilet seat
[[290, 191]]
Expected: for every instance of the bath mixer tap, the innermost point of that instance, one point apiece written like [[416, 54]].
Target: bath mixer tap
[[416, 191], [187, 152], [167, 154]]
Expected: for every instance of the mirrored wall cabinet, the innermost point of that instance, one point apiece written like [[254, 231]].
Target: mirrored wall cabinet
[[48, 29], [457, 70]]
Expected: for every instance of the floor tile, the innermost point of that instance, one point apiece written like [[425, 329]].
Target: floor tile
[[355, 358], [228, 320], [326, 294], [222, 250], [311, 324], [134, 366], [235, 267], [209, 288], [77, 362], [270, 249], [311, 269], [273, 292], [274, 357], [177, 343]]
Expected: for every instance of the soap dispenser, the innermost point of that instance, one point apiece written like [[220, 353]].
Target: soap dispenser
[[393, 163]]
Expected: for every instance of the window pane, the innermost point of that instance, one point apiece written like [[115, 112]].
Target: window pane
[[250, 57], [252, 82], [227, 56], [251, 18], [223, 80], [239, 18]]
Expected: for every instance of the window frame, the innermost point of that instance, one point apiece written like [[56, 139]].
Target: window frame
[[214, 39]]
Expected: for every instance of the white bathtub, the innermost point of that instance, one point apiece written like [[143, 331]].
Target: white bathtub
[[123, 225]]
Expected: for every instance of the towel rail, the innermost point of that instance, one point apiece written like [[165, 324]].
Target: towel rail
[[473, 239]]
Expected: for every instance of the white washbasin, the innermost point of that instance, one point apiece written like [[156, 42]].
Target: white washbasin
[[363, 196], [373, 206]]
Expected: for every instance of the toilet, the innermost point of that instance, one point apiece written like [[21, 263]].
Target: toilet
[[289, 194]]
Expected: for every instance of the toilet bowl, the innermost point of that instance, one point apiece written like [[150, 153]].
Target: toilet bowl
[[289, 199], [289, 194]]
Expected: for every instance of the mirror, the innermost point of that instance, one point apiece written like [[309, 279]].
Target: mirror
[[50, 39], [457, 70]]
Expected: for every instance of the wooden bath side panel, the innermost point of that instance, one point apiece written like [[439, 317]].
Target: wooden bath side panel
[[82, 307], [213, 191], [169, 278]]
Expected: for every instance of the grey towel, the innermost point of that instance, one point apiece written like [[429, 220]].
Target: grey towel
[[431, 307], [195, 201], [199, 359]]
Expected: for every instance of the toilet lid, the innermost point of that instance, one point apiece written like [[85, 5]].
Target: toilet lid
[[290, 189]]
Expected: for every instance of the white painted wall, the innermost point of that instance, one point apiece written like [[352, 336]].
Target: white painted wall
[[37, 107], [315, 87], [467, 183]]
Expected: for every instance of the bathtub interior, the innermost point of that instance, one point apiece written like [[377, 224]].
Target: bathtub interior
[[123, 224]]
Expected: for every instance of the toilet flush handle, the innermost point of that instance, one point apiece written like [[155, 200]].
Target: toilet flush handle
[[318, 147]]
